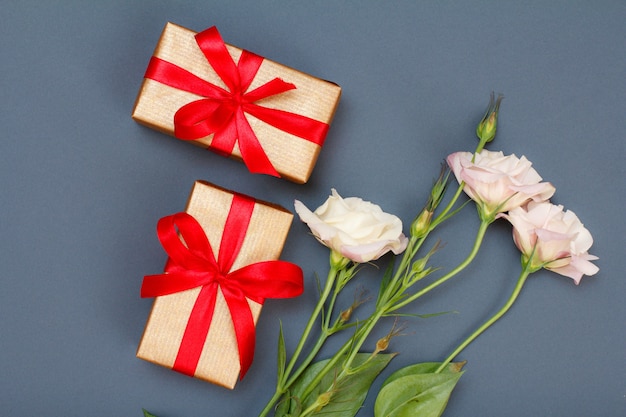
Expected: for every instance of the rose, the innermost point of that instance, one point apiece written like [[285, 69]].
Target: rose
[[553, 239], [355, 229], [498, 183]]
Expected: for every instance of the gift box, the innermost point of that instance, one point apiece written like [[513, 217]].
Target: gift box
[[217, 96], [222, 265]]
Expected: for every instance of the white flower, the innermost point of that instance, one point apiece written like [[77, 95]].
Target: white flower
[[555, 239], [353, 228], [498, 183]]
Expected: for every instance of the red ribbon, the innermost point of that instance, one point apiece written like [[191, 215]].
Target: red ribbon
[[191, 264], [223, 112]]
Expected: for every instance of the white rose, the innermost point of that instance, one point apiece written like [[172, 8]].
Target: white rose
[[498, 183], [556, 239], [353, 228]]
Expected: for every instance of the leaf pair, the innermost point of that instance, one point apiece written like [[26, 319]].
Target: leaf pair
[[417, 390], [346, 394]]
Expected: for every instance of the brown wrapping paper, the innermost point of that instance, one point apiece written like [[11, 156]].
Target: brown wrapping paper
[[219, 362], [293, 157]]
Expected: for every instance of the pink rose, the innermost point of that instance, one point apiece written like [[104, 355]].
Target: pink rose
[[556, 239], [498, 183], [353, 228]]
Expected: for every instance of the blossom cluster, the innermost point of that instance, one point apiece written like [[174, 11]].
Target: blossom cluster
[[509, 187], [501, 186]]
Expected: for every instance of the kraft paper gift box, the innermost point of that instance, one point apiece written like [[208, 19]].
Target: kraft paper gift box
[[277, 124], [218, 355]]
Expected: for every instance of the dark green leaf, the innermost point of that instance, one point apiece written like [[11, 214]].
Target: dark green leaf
[[282, 354], [417, 390], [147, 414], [423, 368], [423, 316], [287, 406], [386, 278], [347, 395]]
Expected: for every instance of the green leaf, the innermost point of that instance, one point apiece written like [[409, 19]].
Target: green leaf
[[282, 354], [147, 414], [384, 282], [424, 368], [288, 406], [348, 394], [417, 390], [423, 316]]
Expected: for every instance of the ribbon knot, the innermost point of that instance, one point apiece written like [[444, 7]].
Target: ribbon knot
[[191, 264], [222, 112]]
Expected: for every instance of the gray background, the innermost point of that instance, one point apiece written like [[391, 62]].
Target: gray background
[[83, 187]]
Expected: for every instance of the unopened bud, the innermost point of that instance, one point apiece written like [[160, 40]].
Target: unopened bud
[[345, 315], [420, 264], [421, 224], [486, 129], [322, 400], [382, 344], [338, 261]]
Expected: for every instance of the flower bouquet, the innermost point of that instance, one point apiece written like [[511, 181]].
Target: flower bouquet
[[502, 188]]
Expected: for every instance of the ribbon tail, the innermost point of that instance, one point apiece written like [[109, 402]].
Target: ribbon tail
[[196, 331], [292, 123], [270, 88], [224, 140], [252, 152], [170, 283], [243, 324]]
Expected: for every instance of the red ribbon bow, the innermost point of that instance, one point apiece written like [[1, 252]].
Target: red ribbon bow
[[223, 113], [192, 264]]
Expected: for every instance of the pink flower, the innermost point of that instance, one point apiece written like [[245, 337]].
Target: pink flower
[[555, 239], [353, 228], [498, 183]]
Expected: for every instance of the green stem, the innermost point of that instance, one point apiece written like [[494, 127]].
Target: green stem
[[348, 345], [479, 148], [344, 276], [329, 365], [516, 291], [402, 270], [330, 281], [270, 403], [333, 299], [281, 386], [442, 216], [477, 243], [356, 347]]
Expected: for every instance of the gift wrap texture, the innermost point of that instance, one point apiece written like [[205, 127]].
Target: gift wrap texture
[[265, 237], [293, 157]]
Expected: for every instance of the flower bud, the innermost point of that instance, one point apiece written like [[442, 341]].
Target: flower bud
[[486, 129], [346, 314], [439, 188], [383, 343], [421, 224], [337, 260], [420, 264], [322, 400]]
